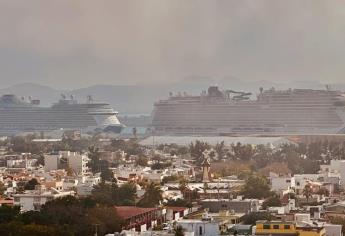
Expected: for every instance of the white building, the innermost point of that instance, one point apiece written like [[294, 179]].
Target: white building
[[204, 227], [51, 162], [280, 184], [77, 162], [32, 200]]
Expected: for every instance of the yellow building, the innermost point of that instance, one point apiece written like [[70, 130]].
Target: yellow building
[[276, 228]]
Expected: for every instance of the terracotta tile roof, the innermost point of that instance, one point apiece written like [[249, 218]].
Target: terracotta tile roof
[[6, 201], [127, 212]]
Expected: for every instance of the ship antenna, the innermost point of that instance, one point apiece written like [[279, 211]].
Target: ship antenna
[[89, 98], [63, 96]]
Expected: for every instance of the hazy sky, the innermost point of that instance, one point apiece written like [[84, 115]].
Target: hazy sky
[[66, 43]]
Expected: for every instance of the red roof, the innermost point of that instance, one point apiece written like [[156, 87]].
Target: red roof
[[127, 212], [6, 201], [176, 208]]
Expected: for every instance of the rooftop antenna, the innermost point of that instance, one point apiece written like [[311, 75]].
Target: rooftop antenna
[[63, 96], [328, 87]]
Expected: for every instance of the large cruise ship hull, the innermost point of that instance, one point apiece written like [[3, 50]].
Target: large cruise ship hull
[[274, 112], [17, 117]]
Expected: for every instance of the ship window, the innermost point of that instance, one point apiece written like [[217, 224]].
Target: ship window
[[286, 226], [275, 226], [267, 226]]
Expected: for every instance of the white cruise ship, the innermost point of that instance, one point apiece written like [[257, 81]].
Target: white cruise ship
[[297, 111], [18, 115]]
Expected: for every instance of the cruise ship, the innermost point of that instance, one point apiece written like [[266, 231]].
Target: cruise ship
[[273, 112], [19, 115]]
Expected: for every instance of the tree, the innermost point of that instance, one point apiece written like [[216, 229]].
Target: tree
[[307, 192], [2, 189], [196, 150], [251, 218], [18, 228], [127, 194], [183, 186], [94, 163], [179, 231], [30, 185], [178, 203], [256, 187], [323, 191], [107, 175], [8, 213], [220, 150], [106, 218], [105, 193], [272, 201], [152, 197], [142, 161]]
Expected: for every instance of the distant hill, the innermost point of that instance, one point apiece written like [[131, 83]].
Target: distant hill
[[139, 99]]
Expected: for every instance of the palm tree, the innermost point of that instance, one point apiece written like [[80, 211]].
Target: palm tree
[[152, 196], [307, 191], [183, 186]]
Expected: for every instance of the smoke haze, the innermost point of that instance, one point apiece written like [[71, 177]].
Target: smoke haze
[[82, 43]]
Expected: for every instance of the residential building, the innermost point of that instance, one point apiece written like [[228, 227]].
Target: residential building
[[232, 205], [277, 228], [32, 200]]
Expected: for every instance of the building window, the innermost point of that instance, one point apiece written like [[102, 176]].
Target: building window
[[286, 226], [267, 226], [288, 181], [275, 226], [200, 230]]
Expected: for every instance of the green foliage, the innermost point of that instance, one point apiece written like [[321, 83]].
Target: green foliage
[[142, 161], [170, 178], [17, 228], [160, 165], [111, 194], [220, 150], [152, 197], [127, 194], [272, 201], [251, 218], [107, 175], [178, 203], [8, 213], [94, 163], [131, 147], [307, 191], [196, 149], [30, 185], [256, 187], [2, 188]]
